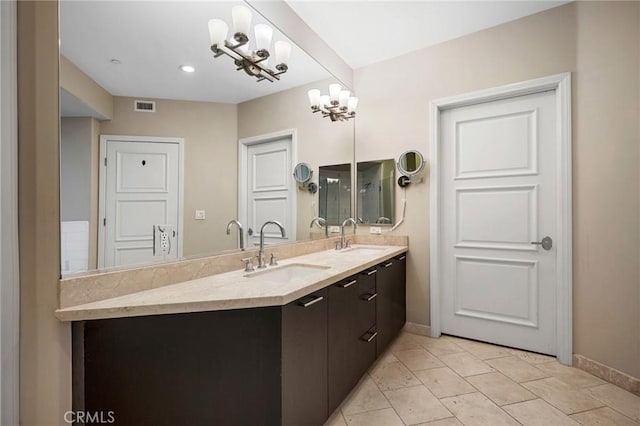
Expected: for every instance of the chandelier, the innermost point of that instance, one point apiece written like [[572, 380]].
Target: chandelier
[[255, 63], [338, 105]]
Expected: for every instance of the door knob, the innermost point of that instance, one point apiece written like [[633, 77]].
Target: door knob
[[546, 243]]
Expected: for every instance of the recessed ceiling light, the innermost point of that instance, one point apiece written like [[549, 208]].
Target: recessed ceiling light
[[115, 61], [187, 68]]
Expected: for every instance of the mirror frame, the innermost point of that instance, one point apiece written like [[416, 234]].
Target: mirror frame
[[405, 172]]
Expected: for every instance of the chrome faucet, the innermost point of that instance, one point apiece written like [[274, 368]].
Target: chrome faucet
[[321, 223], [261, 264], [344, 243], [240, 232]]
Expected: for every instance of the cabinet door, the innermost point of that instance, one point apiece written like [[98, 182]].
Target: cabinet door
[[391, 300], [304, 360], [342, 332], [399, 308]]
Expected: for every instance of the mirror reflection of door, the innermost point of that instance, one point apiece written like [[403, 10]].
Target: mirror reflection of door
[[140, 200], [267, 188], [376, 183], [335, 193]]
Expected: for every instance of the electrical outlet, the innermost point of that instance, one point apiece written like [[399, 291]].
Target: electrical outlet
[[163, 235], [164, 240], [375, 230], [334, 229], [200, 215]]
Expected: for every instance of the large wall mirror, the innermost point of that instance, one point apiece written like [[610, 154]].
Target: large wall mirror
[[156, 161], [375, 185]]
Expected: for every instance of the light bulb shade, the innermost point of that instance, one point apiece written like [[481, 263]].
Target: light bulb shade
[[334, 91], [344, 98], [218, 30], [263, 36], [241, 16], [314, 97], [353, 104], [324, 101], [283, 52]]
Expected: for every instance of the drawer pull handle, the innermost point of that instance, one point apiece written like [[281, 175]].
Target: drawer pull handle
[[371, 337], [403, 257], [369, 297], [371, 272], [349, 284], [312, 302], [386, 265]]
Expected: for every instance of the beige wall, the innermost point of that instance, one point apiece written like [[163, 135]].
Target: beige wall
[[45, 343], [210, 146], [80, 85], [79, 152], [599, 43], [320, 141], [75, 165]]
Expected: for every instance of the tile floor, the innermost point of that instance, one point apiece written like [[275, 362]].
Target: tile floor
[[451, 381]]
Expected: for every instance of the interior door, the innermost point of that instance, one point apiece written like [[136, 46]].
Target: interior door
[[141, 199], [498, 200], [271, 190]]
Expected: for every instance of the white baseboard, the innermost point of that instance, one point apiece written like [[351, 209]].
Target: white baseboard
[[422, 330]]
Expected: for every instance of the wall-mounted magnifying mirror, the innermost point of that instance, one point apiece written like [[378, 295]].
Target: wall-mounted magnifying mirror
[[410, 163], [375, 192], [302, 173]]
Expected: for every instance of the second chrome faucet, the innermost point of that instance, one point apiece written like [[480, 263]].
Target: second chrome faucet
[[261, 263]]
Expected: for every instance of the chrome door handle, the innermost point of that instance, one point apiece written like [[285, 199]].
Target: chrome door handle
[[546, 243], [312, 302]]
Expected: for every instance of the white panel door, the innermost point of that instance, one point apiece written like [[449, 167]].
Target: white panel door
[[270, 190], [141, 191], [498, 196]]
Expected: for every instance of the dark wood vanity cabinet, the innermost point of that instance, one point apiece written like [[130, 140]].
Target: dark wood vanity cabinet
[[391, 304], [280, 365], [261, 366], [351, 333]]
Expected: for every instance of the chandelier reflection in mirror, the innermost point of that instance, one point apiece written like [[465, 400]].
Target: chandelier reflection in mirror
[[254, 63], [338, 105]]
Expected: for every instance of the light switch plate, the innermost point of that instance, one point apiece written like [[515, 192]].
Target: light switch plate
[[375, 230], [334, 229], [200, 215]]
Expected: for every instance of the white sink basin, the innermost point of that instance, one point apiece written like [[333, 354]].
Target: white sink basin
[[288, 272], [362, 250]]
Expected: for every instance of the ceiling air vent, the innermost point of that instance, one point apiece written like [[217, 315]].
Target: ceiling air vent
[[145, 106]]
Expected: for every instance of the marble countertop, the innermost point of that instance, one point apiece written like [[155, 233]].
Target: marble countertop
[[237, 289]]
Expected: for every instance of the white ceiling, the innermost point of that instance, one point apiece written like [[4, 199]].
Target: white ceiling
[[153, 38], [364, 32]]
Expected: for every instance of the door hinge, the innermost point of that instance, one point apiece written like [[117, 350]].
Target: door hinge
[[104, 222], [105, 161]]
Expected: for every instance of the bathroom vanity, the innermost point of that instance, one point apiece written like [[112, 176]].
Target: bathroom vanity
[[283, 345]]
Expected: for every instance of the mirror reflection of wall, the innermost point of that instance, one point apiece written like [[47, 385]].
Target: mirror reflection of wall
[[375, 185], [335, 193]]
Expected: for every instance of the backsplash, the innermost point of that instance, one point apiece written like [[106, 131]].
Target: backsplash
[[88, 288]]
